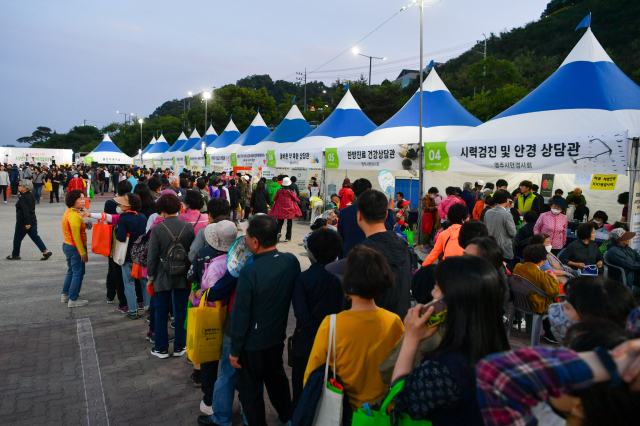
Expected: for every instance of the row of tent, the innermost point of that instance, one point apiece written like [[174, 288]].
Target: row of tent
[[588, 93]]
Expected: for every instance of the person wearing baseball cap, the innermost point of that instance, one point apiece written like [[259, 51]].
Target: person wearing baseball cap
[[620, 254]]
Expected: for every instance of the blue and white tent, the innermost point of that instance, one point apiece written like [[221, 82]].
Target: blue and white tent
[[168, 155], [577, 121], [225, 139], [345, 124], [292, 128], [108, 153], [148, 147], [195, 153], [155, 153], [255, 133], [394, 145], [191, 142]]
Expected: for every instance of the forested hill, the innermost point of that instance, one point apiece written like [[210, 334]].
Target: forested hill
[[518, 61]]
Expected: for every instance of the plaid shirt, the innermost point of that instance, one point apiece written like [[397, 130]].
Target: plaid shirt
[[554, 225], [285, 205], [511, 383]]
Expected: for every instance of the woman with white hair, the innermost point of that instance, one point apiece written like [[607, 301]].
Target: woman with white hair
[[26, 222]]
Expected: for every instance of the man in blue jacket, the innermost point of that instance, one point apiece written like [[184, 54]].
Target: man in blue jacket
[[14, 175]]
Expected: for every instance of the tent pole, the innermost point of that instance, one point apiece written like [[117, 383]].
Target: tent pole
[[421, 148], [323, 176], [634, 188]]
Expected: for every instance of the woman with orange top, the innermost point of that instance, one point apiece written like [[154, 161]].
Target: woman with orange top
[[75, 248], [447, 242]]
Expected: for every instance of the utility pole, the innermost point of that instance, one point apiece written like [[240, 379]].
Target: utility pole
[[484, 71], [305, 86], [371, 58], [421, 149]]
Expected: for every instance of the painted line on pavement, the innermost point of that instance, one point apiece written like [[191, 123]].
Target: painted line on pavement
[[91, 376]]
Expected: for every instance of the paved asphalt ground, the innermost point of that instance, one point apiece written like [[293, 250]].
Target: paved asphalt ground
[[88, 365]]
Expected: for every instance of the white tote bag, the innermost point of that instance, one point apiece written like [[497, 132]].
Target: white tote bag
[[120, 251], [329, 409]]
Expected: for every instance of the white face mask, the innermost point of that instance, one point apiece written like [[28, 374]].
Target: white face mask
[[598, 222], [559, 322], [556, 211], [119, 210], [548, 248], [75, 176]]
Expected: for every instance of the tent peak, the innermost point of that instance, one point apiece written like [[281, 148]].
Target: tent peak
[[231, 127], [182, 137], [294, 113], [348, 102], [106, 138], [588, 49], [195, 134], [258, 121], [161, 139], [433, 83], [211, 130]]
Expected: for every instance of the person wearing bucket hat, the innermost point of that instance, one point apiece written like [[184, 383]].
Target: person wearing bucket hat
[[285, 206], [622, 255], [26, 222], [554, 223]]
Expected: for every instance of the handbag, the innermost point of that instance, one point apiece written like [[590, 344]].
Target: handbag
[[91, 193], [409, 234], [204, 331], [329, 409], [367, 417], [120, 251], [48, 187], [101, 237]]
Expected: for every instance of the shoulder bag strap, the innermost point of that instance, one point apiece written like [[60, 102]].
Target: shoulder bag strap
[[332, 330], [165, 227], [180, 235]]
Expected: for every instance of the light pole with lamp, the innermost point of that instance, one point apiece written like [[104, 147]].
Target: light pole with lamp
[[371, 58], [125, 116], [206, 95], [140, 121], [204, 151]]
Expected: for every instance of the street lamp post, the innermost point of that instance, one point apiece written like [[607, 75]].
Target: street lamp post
[[125, 116], [204, 150], [206, 95], [140, 121], [371, 58], [184, 108]]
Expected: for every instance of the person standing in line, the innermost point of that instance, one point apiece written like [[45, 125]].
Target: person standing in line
[[346, 194], [501, 226], [26, 222], [131, 177], [115, 177], [260, 199], [105, 188], [74, 248], [38, 183], [285, 206], [54, 178], [259, 322], [14, 179], [243, 187], [4, 182]]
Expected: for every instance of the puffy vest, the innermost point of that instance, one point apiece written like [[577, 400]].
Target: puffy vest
[[525, 203]]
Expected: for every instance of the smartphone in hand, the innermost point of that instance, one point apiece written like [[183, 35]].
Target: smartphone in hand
[[439, 314]]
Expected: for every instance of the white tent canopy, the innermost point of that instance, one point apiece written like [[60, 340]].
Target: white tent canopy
[[167, 156], [255, 133], [107, 153], [148, 147], [196, 154]]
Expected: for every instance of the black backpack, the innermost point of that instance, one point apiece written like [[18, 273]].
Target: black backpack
[[177, 261]]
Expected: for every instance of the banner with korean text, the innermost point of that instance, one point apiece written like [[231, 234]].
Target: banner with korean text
[[390, 157], [584, 154], [310, 158], [249, 159]]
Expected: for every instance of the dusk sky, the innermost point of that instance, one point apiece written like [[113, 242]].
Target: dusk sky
[[66, 61]]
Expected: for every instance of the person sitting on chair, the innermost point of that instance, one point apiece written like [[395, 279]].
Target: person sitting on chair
[[620, 254], [535, 256]]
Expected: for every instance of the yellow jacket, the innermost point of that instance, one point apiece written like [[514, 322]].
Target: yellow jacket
[[543, 281], [74, 231]]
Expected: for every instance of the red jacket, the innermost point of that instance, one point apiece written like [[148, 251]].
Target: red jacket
[[285, 205]]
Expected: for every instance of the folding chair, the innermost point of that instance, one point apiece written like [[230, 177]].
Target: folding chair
[[521, 288]]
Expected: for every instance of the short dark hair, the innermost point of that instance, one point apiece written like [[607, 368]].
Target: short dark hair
[[154, 183], [325, 245], [576, 199], [360, 186], [490, 251], [458, 213], [470, 230], [450, 190], [526, 184], [201, 184], [194, 199], [72, 197], [372, 205], [501, 196], [531, 216], [623, 198], [433, 190], [535, 253], [400, 194], [489, 185], [165, 181], [584, 231], [367, 273], [490, 201], [168, 203], [600, 297], [535, 187], [274, 179], [264, 228], [318, 224], [218, 207], [232, 182], [558, 191], [294, 179], [501, 182], [123, 187], [184, 183], [539, 238], [600, 215]]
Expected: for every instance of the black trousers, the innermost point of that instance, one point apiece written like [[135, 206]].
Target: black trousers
[[55, 187], [208, 377], [297, 379], [152, 316], [115, 283], [3, 189], [258, 367], [289, 225], [14, 189]]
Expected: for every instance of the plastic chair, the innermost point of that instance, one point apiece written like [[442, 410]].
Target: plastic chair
[[608, 266], [521, 288]]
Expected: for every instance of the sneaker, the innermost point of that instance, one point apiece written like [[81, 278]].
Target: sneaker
[[133, 315], [151, 336], [206, 420], [149, 320], [77, 303], [205, 408], [195, 379], [173, 325], [171, 317], [162, 353], [141, 306], [553, 341], [189, 361], [64, 298], [110, 301], [123, 309], [179, 352], [279, 235], [286, 240]]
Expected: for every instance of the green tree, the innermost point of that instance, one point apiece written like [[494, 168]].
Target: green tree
[[492, 73], [41, 134]]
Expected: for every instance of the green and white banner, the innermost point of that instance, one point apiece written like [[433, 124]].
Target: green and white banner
[[310, 158], [390, 157]]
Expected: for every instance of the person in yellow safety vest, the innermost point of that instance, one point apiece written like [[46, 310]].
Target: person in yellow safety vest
[[528, 200]]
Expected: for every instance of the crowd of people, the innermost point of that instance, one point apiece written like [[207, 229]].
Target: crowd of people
[[368, 305]]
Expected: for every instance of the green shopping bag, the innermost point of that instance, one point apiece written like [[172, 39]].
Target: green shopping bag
[[381, 418], [409, 234], [91, 193]]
